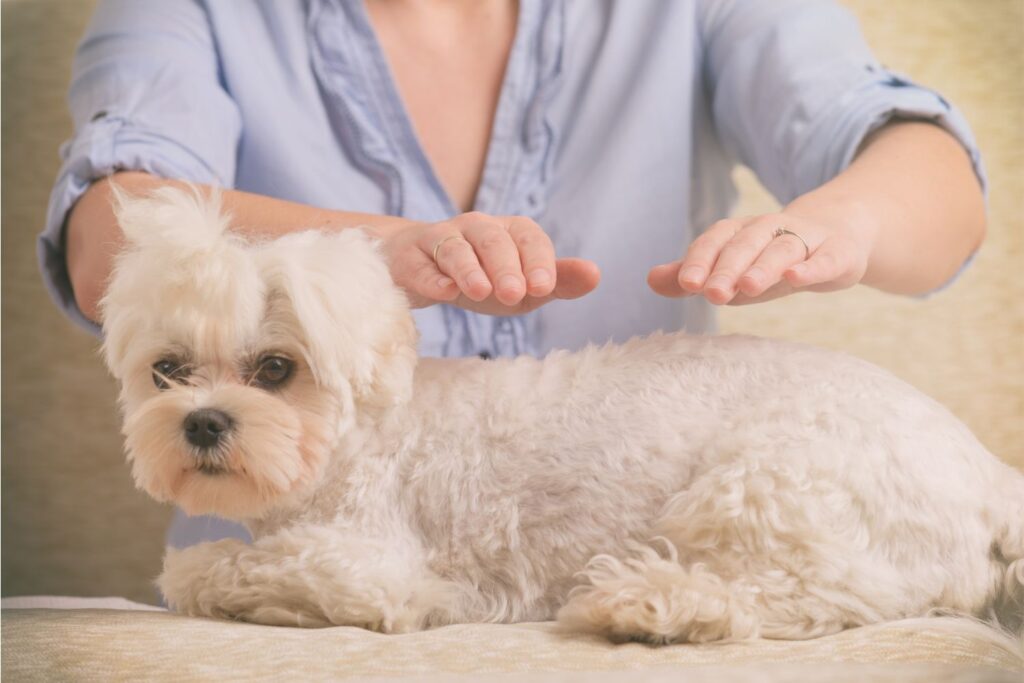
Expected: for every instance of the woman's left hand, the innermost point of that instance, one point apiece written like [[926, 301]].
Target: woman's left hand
[[742, 261]]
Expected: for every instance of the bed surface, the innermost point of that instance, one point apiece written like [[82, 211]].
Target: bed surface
[[113, 639]]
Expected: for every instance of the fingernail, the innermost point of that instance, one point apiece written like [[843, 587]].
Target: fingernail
[[444, 282], [508, 283], [798, 269], [755, 275], [693, 274], [478, 279], [538, 277]]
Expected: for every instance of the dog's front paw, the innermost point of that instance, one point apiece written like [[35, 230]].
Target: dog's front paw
[[195, 581], [306, 577]]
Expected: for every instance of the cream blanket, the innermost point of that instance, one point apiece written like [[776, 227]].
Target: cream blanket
[[139, 644]]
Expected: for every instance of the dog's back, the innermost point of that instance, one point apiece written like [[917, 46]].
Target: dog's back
[[619, 443]]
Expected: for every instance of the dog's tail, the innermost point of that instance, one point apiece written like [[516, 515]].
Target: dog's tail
[[1009, 548]]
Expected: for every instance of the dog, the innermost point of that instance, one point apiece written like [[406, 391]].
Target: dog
[[673, 488]]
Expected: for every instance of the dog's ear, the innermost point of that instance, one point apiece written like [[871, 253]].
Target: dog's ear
[[352, 320], [179, 263], [186, 218]]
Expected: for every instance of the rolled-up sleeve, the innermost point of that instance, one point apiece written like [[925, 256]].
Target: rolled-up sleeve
[[795, 90], [146, 95]]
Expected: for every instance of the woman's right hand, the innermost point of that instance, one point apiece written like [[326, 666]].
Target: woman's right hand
[[491, 264], [498, 265]]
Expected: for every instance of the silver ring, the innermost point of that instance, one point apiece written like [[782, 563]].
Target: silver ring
[[779, 232], [442, 241]]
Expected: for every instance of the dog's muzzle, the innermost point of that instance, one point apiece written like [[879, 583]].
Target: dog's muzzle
[[206, 428]]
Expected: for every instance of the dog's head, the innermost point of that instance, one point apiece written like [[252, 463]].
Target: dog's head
[[241, 365]]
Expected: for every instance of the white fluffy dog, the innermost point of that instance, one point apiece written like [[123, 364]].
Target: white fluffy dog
[[674, 488]]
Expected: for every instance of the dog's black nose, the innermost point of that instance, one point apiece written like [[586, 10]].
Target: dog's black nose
[[206, 427]]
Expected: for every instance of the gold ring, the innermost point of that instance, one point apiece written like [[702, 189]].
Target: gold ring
[[779, 232], [442, 241]]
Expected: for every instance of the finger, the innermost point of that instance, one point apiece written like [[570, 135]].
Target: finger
[[780, 254], [576, 277], [829, 263], [499, 256], [736, 258], [456, 258], [664, 280], [786, 286], [536, 255], [429, 283], [779, 289], [830, 267], [703, 253], [689, 275]]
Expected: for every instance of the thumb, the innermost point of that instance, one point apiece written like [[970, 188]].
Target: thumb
[[664, 279], [575, 277]]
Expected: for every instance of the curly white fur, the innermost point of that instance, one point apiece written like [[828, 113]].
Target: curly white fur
[[789, 492]]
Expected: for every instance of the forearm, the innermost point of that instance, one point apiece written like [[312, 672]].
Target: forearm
[[500, 265], [93, 237], [912, 188]]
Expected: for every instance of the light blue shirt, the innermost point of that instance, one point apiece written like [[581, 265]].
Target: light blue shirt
[[617, 128]]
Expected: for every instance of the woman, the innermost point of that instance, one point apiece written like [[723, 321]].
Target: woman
[[504, 152]]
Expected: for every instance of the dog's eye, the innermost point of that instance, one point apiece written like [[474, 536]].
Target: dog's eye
[[168, 369], [273, 371]]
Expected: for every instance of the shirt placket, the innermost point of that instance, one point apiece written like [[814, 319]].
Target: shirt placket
[[354, 71], [517, 169]]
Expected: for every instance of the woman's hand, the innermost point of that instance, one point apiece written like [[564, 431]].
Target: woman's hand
[[902, 218], [744, 260], [498, 265]]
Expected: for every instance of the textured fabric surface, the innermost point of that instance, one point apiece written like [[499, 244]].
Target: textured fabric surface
[[108, 645], [71, 602], [749, 673]]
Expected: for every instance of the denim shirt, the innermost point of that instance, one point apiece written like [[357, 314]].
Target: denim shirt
[[617, 127]]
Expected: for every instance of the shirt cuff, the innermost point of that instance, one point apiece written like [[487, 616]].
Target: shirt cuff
[[865, 109], [868, 107], [104, 146]]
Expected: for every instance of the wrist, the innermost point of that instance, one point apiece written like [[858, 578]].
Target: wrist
[[383, 228], [836, 211], [841, 214]]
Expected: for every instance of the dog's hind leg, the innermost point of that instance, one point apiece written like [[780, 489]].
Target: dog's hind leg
[[751, 550], [308, 576], [652, 598]]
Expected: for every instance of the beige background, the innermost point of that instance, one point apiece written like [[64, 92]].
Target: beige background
[[72, 522], [965, 345]]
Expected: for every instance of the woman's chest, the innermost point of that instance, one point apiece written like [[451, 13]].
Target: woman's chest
[[448, 66]]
